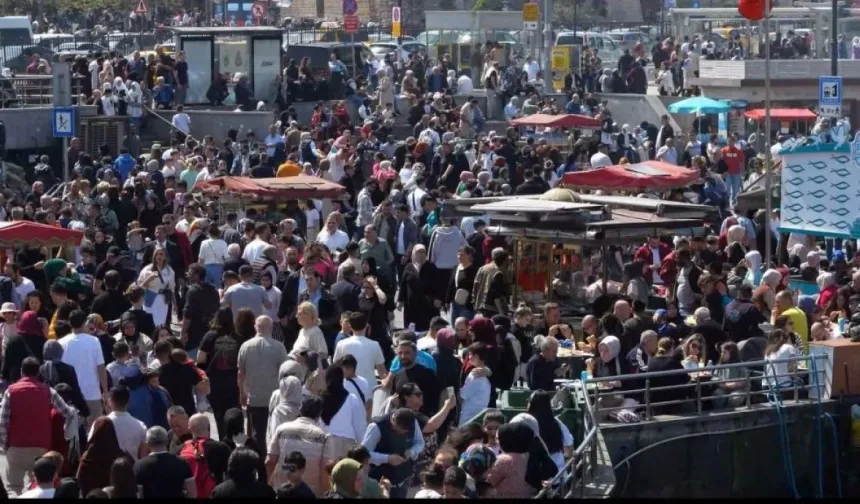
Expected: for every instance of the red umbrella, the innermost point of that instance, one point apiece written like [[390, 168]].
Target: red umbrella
[[648, 175], [557, 121]]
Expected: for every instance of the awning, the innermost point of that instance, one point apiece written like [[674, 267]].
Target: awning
[[785, 114], [557, 121], [655, 175], [298, 187], [15, 233]]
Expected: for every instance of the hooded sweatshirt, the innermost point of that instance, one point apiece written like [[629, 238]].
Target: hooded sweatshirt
[[444, 244]]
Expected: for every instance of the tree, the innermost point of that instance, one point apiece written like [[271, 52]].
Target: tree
[[488, 5]]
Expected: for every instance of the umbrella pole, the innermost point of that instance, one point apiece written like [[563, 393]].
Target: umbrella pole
[[768, 181]]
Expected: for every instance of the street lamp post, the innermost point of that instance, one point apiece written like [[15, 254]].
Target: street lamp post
[[768, 177]]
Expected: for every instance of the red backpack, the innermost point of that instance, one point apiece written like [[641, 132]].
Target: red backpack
[[193, 453]]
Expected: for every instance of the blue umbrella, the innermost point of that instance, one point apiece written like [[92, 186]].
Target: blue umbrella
[[699, 105]]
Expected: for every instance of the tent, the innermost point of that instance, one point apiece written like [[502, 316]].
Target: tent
[[655, 175], [784, 114], [298, 187], [699, 105], [557, 121], [15, 233]]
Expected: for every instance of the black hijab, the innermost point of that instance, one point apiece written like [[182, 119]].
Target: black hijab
[[541, 409], [515, 437], [335, 394]]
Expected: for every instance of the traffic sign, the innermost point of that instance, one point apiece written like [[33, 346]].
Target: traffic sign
[[350, 24], [258, 10], [350, 8], [531, 15], [63, 122], [830, 96], [395, 21], [141, 7]]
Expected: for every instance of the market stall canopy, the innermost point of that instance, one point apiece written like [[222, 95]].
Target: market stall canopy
[[786, 114], [15, 233], [557, 121], [298, 187], [655, 175], [699, 105]]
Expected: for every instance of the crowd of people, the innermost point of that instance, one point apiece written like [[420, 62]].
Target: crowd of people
[[360, 346]]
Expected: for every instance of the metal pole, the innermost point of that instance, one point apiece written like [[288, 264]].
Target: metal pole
[[355, 56], [547, 43], [834, 45], [65, 159], [768, 180]]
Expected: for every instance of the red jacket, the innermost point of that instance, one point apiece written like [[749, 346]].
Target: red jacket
[[644, 255], [30, 418]]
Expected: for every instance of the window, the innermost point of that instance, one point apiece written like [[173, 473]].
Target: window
[[568, 39]]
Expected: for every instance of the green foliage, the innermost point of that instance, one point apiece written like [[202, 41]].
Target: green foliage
[[488, 5]]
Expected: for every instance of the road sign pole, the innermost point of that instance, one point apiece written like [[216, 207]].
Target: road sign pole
[[66, 167], [354, 63]]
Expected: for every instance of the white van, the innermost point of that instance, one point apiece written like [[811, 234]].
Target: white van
[[16, 30], [53, 40], [16, 33], [607, 49]]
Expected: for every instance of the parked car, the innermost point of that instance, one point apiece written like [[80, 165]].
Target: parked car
[[382, 49]]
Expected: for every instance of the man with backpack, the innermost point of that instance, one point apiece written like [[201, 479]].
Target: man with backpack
[[203, 455]]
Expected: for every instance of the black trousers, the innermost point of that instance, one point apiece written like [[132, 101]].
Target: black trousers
[[258, 417]]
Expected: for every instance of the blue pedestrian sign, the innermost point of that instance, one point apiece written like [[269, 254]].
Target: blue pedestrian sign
[[830, 96], [63, 122]]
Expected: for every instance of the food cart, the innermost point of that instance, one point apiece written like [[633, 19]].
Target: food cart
[[267, 195], [789, 119], [541, 122], [19, 233]]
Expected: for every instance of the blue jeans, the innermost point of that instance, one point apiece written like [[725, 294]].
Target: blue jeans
[[458, 311], [734, 180], [213, 274]]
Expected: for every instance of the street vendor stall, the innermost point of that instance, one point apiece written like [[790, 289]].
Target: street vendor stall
[[586, 125], [648, 175], [788, 119], [19, 233], [267, 195]]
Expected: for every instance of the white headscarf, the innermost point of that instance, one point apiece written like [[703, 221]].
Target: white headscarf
[[415, 250], [285, 402]]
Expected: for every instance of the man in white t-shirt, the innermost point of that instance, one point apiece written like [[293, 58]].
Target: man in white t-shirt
[[428, 341], [44, 471], [367, 353], [354, 384], [23, 285], [83, 352], [181, 121], [130, 432], [254, 250]]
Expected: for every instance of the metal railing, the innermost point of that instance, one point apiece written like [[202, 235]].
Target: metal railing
[[20, 91], [579, 470], [755, 384]]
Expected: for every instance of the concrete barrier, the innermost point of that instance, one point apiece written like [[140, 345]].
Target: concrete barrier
[[30, 128], [213, 122]]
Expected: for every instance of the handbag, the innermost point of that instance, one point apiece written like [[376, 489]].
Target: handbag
[[150, 295]]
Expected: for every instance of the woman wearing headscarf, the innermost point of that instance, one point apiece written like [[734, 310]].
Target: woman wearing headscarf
[[343, 416], [828, 288], [234, 437], [346, 480], [484, 331], [509, 474], [54, 372], [608, 363], [539, 467], [219, 357], [102, 449], [285, 402], [766, 291], [753, 264], [135, 103], [29, 342], [556, 436], [418, 295], [736, 248]]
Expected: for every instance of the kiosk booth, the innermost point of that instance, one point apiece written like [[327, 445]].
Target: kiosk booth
[[229, 51]]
